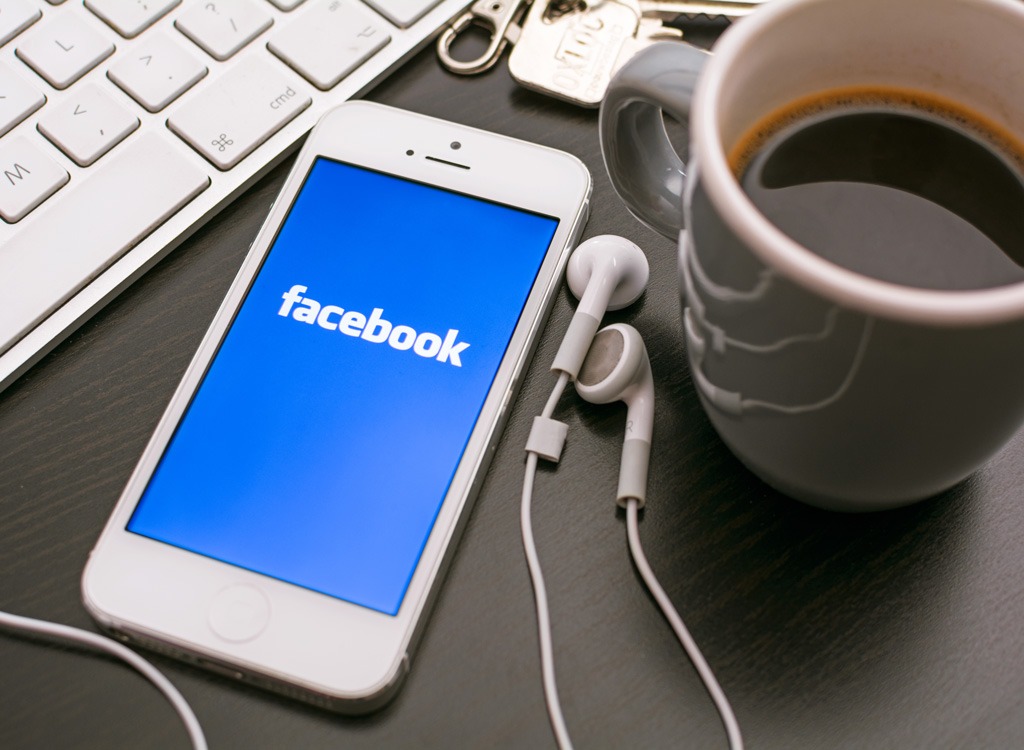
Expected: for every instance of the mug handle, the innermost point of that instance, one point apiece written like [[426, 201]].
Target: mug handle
[[645, 170]]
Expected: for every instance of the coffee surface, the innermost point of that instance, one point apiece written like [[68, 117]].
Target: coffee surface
[[892, 188]]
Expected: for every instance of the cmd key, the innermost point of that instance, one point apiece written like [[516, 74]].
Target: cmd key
[[239, 111]]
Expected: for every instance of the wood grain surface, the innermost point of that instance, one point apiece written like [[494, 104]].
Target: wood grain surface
[[894, 630]]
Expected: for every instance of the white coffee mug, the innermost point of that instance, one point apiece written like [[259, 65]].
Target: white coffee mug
[[839, 389]]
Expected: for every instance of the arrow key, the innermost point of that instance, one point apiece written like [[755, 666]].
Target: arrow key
[[88, 124], [157, 72]]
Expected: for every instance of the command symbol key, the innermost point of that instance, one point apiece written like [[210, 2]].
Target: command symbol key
[[239, 111]]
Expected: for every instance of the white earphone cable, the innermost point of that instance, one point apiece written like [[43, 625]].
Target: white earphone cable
[[99, 643], [547, 660], [552, 701], [732, 727]]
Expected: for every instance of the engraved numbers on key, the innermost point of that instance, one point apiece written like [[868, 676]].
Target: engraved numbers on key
[[572, 56]]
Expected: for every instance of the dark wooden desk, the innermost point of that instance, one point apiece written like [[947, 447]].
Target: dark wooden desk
[[902, 629]]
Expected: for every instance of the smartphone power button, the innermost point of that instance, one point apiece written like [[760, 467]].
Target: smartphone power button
[[239, 613]]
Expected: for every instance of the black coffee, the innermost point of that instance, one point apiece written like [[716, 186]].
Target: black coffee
[[891, 185]]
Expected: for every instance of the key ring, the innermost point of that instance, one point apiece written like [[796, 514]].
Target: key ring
[[499, 17]]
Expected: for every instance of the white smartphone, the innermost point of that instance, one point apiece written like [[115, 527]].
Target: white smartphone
[[294, 513]]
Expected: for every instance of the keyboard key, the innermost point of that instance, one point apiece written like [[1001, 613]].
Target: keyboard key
[[329, 40], [27, 178], [94, 223], [64, 49], [225, 26], [402, 13], [156, 72], [18, 99], [237, 112], [87, 124], [129, 18], [15, 17], [287, 5]]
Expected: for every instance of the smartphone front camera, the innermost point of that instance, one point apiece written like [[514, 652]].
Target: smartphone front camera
[[456, 145], [410, 152]]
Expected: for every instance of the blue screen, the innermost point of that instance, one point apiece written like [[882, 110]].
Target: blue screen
[[321, 443]]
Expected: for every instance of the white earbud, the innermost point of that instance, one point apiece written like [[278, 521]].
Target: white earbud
[[617, 369], [605, 273]]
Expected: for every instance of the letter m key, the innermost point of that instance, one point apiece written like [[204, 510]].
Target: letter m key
[[29, 178]]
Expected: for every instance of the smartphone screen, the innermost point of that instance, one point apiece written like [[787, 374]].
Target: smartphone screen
[[326, 431]]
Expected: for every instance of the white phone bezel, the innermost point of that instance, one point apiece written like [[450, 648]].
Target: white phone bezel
[[352, 658]]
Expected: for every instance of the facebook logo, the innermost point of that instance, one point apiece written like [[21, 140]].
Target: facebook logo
[[374, 329]]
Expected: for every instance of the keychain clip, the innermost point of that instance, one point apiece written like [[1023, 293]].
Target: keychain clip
[[499, 17]]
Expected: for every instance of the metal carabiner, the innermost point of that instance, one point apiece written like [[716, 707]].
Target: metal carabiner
[[499, 17]]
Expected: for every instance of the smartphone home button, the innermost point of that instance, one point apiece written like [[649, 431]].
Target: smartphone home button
[[239, 613]]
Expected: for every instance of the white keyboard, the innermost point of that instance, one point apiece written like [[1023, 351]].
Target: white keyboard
[[125, 124]]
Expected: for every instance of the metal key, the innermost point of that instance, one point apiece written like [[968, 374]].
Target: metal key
[[573, 56]]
